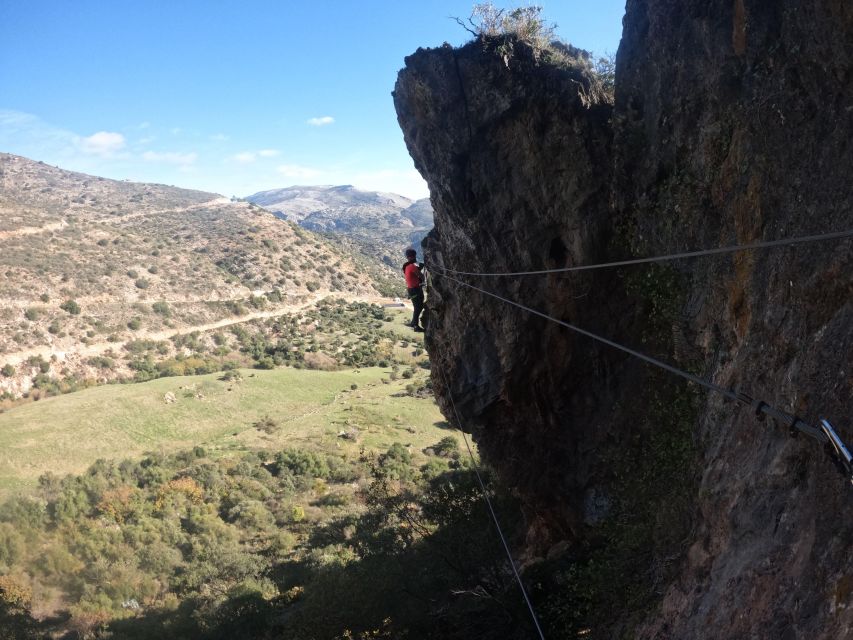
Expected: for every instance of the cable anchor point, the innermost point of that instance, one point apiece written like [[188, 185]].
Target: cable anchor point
[[840, 452]]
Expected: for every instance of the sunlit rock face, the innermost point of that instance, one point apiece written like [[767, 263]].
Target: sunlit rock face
[[732, 123]]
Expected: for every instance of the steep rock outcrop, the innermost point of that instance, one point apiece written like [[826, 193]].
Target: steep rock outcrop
[[501, 146], [732, 123]]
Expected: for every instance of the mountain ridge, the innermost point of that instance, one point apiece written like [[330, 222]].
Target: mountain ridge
[[381, 223]]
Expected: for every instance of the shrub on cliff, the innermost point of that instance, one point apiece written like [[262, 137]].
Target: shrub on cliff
[[502, 28]]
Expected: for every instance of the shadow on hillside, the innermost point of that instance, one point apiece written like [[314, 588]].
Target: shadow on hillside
[[414, 566]]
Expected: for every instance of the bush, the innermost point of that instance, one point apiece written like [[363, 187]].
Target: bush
[[102, 362], [31, 314], [142, 283], [397, 463], [135, 324], [7, 371], [499, 30], [71, 307], [525, 23], [447, 447], [302, 463], [267, 425], [162, 309]]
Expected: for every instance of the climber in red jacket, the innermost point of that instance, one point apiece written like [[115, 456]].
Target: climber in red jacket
[[413, 272]]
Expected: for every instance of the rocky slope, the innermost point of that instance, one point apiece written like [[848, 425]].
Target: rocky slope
[[731, 123], [118, 248], [382, 223]]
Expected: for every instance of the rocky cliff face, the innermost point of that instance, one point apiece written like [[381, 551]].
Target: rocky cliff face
[[732, 123], [501, 147]]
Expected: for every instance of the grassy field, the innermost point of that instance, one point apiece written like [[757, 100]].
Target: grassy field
[[65, 434]]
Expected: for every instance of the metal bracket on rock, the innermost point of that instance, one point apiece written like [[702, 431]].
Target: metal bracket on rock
[[840, 452], [823, 433], [795, 424]]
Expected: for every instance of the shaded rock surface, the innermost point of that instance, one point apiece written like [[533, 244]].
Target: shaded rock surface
[[501, 147], [732, 123]]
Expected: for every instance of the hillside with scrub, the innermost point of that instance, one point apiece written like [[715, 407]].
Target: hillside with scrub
[[267, 499], [89, 264], [261, 503]]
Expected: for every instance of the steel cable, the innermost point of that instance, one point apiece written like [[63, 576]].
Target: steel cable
[[761, 408], [492, 512], [672, 256]]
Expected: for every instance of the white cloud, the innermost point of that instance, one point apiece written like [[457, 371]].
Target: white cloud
[[246, 157], [103, 143], [322, 121], [298, 171], [268, 153], [171, 157]]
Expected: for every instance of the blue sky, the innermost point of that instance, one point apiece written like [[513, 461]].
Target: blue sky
[[232, 97]]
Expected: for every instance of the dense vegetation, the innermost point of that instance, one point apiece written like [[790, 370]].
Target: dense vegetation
[[334, 534], [330, 335], [300, 544]]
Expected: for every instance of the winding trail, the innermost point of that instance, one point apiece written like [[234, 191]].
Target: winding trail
[[56, 226], [191, 207], [80, 351], [29, 231]]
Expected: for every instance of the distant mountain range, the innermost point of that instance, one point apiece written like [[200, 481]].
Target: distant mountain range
[[381, 224]]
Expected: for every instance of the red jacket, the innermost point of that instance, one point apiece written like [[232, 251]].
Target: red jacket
[[412, 272]]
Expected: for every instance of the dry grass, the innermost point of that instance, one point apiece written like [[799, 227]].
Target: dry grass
[[66, 434]]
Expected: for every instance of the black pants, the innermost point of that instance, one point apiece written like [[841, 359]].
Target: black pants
[[416, 295]]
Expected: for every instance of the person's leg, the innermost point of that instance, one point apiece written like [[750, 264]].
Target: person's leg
[[412, 293], [418, 303]]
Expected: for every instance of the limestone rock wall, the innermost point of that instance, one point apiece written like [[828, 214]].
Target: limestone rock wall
[[501, 146], [732, 122]]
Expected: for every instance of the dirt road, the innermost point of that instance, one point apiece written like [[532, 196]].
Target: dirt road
[[82, 351], [56, 226]]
